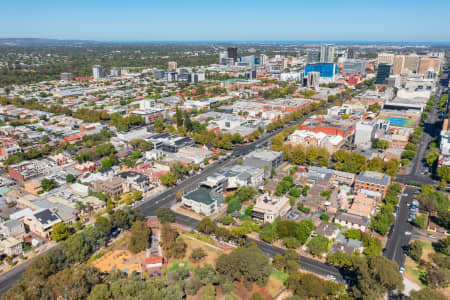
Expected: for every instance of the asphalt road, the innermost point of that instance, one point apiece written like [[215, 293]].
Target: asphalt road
[[306, 263], [9, 278], [397, 240], [167, 198], [432, 128]]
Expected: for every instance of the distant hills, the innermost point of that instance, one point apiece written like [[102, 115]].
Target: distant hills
[[37, 42]]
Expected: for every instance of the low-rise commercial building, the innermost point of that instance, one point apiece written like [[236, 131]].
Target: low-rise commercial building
[[268, 208], [203, 201], [373, 181]]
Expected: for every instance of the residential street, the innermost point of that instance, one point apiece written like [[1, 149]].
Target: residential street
[[398, 241]]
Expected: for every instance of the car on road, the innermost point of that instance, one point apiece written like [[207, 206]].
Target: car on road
[[402, 270], [331, 277], [407, 232]]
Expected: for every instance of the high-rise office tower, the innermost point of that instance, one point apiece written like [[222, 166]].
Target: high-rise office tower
[[429, 63], [383, 73], [411, 63], [263, 59], [115, 72], [97, 72], [351, 53], [313, 56], [354, 66], [385, 58], [232, 53], [399, 64], [327, 53], [172, 66], [223, 56], [313, 79]]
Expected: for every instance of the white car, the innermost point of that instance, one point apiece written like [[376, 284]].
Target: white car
[[331, 277], [407, 232], [402, 270]]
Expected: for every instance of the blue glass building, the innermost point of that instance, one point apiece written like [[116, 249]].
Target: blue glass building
[[325, 70]]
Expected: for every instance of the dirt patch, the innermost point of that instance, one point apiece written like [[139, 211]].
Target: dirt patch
[[120, 260]]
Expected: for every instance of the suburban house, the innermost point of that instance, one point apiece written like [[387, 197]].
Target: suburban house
[[41, 222], [329, 231], [13, 228], [11, 246], [348, 246], [352, 221]]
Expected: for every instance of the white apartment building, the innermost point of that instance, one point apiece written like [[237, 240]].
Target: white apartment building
[[364, 133]]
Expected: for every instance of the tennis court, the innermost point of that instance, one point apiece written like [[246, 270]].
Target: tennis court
[[400, 122]]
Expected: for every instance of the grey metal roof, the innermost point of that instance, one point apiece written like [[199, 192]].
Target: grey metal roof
[[374, 177]]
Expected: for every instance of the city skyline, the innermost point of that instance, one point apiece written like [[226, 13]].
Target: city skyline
[[233, 21]]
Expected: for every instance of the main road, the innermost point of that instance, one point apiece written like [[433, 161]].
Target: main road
[[306, 263], [431, 131]]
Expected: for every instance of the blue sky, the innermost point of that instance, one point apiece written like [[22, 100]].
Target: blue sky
[[203, 20]]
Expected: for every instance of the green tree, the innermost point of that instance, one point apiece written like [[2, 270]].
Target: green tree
[[415, 250], [444, 173], [103, 224], [100, 292], [431, 158], [172, 244], [206, 225], [304, 229], [208, 293], [140, 237], [198, 253], [309, 286], [318, 245], [421, 221], [168, 179], [426, 294], [250, 264], [291, 242], [60, 231], [234, 205], [70, 178], [257, 296], [48, 184], [165, 215], [353, 234]]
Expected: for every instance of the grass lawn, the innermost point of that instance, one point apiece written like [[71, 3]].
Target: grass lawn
[[412, 270], [281, 276], [179, 264]]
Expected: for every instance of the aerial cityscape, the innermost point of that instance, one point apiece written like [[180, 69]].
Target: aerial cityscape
[[238, 151]]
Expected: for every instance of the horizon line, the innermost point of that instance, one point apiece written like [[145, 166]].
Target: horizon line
[[239, 41]]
